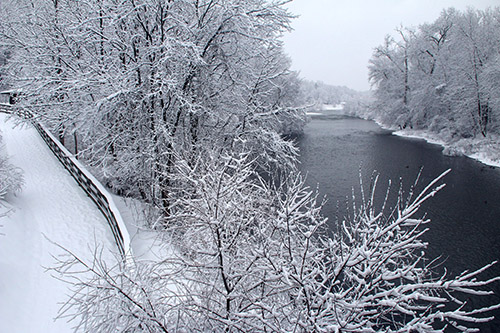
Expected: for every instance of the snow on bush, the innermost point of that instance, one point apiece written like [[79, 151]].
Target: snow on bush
[[250, 256], [11, 177]]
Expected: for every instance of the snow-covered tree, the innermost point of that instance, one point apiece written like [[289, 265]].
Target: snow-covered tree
[[447, 78], [182, 104], [246, 256], [477, 35], [430, 74], [11, 177], [137, 83], [389, 70]]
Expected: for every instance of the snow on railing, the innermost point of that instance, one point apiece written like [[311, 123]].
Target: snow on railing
[[94, 189]]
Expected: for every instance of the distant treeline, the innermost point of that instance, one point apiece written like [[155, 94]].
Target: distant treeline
[[315, 93], [444, 75]]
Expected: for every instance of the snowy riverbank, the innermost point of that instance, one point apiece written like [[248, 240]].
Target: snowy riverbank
[[484, 150]]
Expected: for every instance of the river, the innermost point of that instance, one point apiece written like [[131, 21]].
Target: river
[[465, 227]]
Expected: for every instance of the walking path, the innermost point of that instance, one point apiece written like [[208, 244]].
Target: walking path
[[51, 209]]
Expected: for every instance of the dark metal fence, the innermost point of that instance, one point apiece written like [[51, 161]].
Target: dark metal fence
[[94, 189]]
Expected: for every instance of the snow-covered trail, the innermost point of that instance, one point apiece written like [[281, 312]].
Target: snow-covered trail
[[50, 208]]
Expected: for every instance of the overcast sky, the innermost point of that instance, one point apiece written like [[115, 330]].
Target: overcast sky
[[333, 40]]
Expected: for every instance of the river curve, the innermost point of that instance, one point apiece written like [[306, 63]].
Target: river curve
[[465, 228]]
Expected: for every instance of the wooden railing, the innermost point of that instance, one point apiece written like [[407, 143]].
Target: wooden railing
[[94, 189]]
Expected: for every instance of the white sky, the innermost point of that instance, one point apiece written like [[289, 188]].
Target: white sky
[[333, 40]]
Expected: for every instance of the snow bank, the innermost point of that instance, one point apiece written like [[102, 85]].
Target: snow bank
[[145, 243], [484, 150]]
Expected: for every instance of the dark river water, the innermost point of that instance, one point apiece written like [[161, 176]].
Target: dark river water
[[465, 227]]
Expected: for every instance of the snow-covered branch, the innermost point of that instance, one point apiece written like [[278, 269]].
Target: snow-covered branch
[[249, 254]]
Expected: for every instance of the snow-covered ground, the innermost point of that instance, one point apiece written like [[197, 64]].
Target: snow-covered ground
[[331, 107], [147, 244], [51, 209], [484, 150], [317, 109]]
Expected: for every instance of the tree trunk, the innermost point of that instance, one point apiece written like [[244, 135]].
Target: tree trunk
[[75, 138]]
